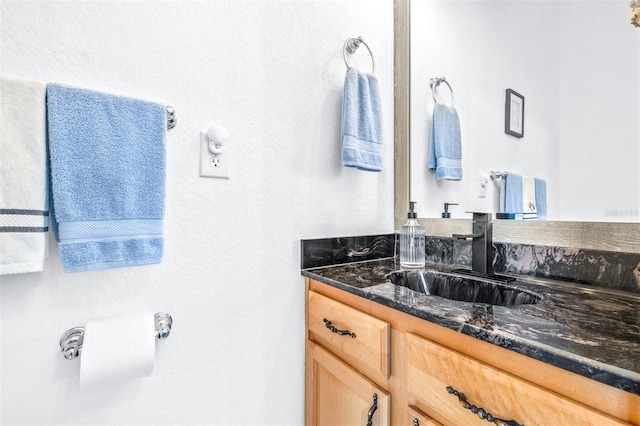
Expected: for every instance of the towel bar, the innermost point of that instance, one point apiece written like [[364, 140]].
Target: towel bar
[[435, 82], [72, 340], [172, 120], [498, 175], [351, 45]]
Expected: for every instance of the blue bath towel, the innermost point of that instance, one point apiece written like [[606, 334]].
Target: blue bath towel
[[541, 198], [107, 159], [445, 151], [361, 122], [511, 194]]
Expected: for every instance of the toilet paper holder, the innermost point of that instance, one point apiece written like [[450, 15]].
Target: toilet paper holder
[[72, 340]]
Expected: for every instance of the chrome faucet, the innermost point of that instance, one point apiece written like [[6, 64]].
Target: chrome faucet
[[482, 244]]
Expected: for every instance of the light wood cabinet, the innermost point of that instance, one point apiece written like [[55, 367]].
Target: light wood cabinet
[[410, 363], [342, 396]]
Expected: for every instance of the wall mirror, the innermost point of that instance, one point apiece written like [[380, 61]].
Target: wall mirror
[[580, 76]]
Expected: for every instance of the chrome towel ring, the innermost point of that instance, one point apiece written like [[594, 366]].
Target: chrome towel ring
[[351, 45], [434, 83]]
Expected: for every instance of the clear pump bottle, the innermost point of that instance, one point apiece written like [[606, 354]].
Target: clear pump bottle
[[412, 241]]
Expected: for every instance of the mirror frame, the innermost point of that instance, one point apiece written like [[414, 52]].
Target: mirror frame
[[610, 236]]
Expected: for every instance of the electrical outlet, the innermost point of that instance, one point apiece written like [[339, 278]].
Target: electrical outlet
[[484, 181], [213, 166]]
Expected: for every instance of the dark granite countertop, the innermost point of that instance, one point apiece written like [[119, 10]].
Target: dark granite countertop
[[583, 329]]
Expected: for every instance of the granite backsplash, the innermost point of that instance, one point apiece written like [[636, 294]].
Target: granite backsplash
[[336, 251]]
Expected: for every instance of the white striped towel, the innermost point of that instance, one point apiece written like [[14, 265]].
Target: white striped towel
[[24, 211]]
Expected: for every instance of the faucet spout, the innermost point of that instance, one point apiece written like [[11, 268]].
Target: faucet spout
[[467, 236], [482, 243]]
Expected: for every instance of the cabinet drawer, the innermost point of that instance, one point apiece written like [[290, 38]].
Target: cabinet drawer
[[432, 368], [349, 333]]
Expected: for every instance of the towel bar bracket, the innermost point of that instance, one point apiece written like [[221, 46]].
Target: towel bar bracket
[[498, 175], [172, 120]]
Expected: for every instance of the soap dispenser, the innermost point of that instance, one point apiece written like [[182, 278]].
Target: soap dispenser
[[445, 213], [412, 241]]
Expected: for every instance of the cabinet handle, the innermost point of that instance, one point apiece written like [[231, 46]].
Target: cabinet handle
[[333, 329], [416, 422], [481, 412], [372, 410]]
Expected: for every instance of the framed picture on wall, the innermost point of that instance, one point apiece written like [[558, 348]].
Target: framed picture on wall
[[514, 113]]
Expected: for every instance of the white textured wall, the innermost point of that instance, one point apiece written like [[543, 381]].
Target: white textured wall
[[578, 69], [271, 72]]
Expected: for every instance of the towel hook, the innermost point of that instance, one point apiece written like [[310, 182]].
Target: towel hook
[[351, 45], [435, 82], [72, 340]]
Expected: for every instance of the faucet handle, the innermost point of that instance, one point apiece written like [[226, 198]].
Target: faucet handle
[[481, 217]]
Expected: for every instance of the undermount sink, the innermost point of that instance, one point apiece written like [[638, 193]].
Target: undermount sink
[[462, 288]]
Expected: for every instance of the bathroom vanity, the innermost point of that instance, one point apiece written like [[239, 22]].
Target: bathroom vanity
[[380, 353], [384, 354]]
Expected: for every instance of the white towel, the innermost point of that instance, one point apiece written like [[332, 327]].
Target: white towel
[[529, 209], [24, 210]]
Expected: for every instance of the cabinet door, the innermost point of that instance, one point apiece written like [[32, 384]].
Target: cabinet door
[[339, 395], [418, 418]]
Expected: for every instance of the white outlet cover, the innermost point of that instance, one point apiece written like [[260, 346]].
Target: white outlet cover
[[213, 166], [484, 181]]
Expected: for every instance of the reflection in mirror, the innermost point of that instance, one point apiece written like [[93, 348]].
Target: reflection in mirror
[[578, 67]]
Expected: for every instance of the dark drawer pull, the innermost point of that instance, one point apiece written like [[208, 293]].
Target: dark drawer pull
[[372, 410], [481, 412], [333, 329]]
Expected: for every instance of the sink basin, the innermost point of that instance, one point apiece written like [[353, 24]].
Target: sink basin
[[462, 288]]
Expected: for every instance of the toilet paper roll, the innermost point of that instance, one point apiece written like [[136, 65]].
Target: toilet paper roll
[[117, 349]]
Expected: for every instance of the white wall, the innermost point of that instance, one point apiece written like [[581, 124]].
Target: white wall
[[600, 67], [271, 72], [578, 71]]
